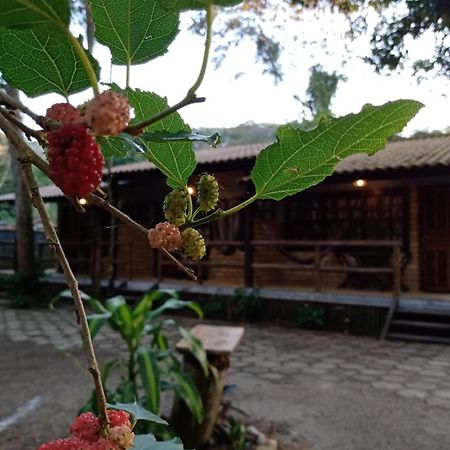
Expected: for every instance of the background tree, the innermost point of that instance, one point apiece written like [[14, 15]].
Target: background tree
[[397, 20], [321, 89], [25, 257]]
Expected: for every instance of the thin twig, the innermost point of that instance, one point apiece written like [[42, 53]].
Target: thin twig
[[189, 272], [29, 132], [12, 103], [127, 220], [24, 156]]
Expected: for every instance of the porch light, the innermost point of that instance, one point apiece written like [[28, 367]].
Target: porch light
[[191, 190], [360, 183], [82, 201]]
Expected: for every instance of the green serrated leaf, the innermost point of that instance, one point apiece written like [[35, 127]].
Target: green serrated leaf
[[115, 145], [36, 14], [39, 63], [138, 412], [300, 159], [175, 159], [135, 31], [214, 140], [182, 5], [149, 442]]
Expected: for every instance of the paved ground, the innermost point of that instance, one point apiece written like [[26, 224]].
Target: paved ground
[[319, 391]]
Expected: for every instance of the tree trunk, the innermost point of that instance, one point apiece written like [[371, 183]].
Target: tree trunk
[[25, 260], [194, 434]]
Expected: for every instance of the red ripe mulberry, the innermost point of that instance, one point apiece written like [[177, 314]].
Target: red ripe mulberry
[[86, 427], [118, 417], [76, 162], [108, 114], [64, 113]]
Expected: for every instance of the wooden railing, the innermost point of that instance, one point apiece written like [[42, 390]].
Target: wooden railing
[[317, 250]]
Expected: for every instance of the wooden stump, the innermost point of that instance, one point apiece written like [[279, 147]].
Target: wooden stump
[[218, 343]]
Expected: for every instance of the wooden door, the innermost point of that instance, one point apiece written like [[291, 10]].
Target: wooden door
[[435, 238]]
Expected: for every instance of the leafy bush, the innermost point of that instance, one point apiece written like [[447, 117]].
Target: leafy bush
[[151, 366], [310, 318], [23, 289]]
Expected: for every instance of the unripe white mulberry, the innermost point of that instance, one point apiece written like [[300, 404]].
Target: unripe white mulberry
[[193, 244], [208, 192], [108, 114], [165, 235], [121, 435], [175, 207]]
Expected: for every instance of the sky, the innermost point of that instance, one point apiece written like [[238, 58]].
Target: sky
[[254, 97]]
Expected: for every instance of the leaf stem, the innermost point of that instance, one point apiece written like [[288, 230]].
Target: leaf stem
[[86, 62], [218, 214], [189, 205], [137, 129], [191, 96], [195, 213], [127, 81], [209, 21]]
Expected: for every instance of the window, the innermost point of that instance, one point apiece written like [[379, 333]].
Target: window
[[368, 215]]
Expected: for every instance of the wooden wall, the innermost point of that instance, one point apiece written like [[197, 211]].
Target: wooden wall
[[142, 198], [411, 274]]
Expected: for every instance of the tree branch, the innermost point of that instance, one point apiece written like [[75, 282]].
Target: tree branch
[[29, 132], [12, 103], [37, 161], [127, 220], [24, 157]]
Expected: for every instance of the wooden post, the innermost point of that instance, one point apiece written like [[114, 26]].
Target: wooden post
[[200, 272], [248, 247], [396, 288], [130, 260], [318, 276], [159, 267], [218, 342]]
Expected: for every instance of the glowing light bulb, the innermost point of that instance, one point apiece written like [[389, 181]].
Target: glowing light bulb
[[360, 183]]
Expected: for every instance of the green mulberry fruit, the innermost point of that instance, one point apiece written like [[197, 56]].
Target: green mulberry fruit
[[193, 244], [208, 192], [175, 207]]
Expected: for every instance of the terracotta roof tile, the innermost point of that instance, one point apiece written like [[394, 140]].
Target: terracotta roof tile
[[405, 154]]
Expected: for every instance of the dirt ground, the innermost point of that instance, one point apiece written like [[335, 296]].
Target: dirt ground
[[304, 415]]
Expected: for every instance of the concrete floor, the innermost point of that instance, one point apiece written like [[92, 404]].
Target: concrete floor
[[318, 391]]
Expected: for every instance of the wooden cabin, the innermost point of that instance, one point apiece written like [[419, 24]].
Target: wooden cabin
[[375, 216]]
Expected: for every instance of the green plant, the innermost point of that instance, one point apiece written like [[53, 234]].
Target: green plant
[[310, 318], [151, 366], [246, 304], [24, 290], [232, 431]]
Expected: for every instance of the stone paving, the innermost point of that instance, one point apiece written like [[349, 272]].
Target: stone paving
[[278, 355]]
